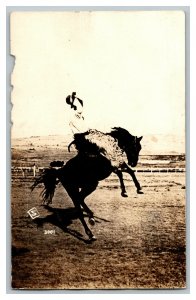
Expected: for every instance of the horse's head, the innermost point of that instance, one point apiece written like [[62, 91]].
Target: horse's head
[[132, 149], [128, 143]]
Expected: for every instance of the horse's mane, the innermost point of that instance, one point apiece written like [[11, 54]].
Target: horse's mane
[[119, 132], [122, 135]]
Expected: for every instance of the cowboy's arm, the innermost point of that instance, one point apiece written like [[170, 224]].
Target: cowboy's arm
[[81, 102]]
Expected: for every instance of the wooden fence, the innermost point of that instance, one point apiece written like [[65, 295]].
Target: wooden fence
[[33, 172]]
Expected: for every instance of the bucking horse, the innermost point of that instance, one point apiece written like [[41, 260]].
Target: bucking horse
[[81, 174], [117, 146]]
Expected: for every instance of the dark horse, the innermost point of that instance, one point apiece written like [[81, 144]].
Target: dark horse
[[80, 177], [90, 143]]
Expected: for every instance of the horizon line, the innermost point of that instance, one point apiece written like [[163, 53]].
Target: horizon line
[[69, 134]]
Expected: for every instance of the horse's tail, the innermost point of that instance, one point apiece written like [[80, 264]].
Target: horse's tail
[[50, 181], [69, 146]]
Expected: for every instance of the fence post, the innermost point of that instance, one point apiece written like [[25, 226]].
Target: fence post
[[34, 169]]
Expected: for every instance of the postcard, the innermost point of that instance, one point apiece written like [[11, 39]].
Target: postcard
[[98, 169]]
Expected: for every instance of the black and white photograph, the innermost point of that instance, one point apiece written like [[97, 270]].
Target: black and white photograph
[[98, 156]]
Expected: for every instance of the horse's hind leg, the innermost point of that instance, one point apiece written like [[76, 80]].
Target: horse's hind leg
[[75, 196], [81, 217], [85, 191]]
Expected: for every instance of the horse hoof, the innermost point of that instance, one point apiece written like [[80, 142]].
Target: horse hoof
[[124, 195], [93, 238], [92, 221], [45, 205], [139, 192]]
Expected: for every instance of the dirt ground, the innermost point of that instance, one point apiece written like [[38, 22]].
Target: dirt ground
[[140, 239]]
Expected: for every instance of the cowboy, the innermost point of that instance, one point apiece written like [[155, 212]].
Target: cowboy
[[76, 119], [70, 100]]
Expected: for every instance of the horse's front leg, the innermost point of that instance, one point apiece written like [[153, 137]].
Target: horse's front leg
[[132, 174], [122, 186]]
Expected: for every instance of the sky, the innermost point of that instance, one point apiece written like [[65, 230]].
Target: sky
[[127, 67]]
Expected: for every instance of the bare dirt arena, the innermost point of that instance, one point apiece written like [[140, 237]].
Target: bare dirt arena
[[140, 239]]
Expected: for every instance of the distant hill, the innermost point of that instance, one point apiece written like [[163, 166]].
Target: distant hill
[[50, 141], [163, 144], [151, 144]]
